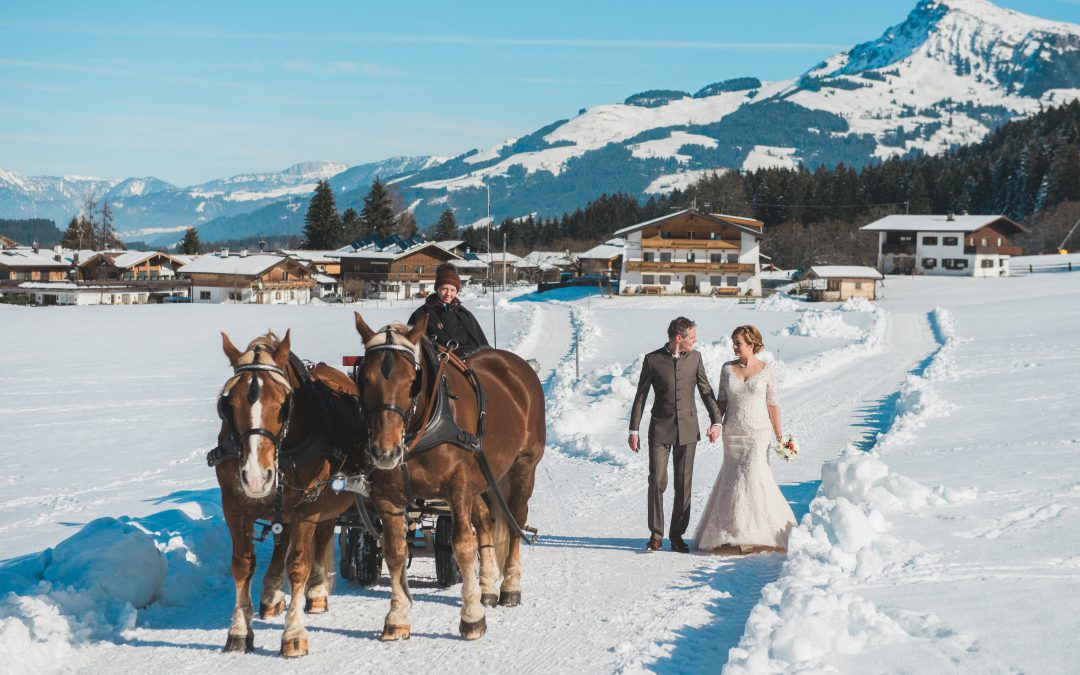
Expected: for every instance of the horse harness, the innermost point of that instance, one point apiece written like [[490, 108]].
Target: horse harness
[[438, 426]]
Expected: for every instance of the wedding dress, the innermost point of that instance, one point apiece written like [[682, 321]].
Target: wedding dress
[[745, 507]]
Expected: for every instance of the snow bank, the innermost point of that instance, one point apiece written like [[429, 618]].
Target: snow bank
[[869, 342], [95, 584], [856, 305], [824, 324], [813, 610], [780, 302]]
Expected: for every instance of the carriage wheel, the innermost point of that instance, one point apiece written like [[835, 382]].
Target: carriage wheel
[[347, 542], [369, 560], [446, 570]]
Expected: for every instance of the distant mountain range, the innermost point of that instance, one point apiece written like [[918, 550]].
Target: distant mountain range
[[946, 76]]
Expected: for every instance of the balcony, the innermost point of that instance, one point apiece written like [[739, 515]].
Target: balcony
[[690, 267], [993, 250], [685, 244], [898, 249]]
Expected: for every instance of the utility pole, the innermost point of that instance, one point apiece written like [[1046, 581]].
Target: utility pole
[[504, 261]]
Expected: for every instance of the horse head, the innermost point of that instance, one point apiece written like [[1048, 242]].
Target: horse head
[[255, 406], [390, 383]]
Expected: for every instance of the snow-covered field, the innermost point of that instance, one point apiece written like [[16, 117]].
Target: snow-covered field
[[937, 487]]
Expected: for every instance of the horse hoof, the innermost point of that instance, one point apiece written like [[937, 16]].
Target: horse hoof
[[316, 605], [294, 647], [267, 611], [510, 598], [393, 633], [489, 599], [240, 643], [471, 630]]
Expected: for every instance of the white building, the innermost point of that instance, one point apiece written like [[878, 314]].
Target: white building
[[264, 279], [692, 252], [946, 245]]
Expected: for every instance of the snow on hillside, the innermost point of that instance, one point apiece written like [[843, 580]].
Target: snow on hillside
[[670, 146], [935, 491], [668, 182], [763, 156]]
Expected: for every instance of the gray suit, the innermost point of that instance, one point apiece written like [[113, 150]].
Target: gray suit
[[673, 429]]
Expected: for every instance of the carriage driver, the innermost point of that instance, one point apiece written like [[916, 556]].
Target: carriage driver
[[448, 320]]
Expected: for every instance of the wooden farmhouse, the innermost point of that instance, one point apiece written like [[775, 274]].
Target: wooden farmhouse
[[29, 264], [836, 283], [946, 245], [691, 252], [393, 268], [604, 259], [130, 266], [261, 278]]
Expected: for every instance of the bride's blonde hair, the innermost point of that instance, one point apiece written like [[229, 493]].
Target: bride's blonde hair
[[750, 335]]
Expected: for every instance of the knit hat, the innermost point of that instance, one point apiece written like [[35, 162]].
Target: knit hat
[[446, 274]]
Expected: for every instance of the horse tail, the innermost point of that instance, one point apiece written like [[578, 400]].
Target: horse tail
[[500, 529]]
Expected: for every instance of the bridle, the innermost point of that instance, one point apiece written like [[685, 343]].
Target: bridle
[[225, 412], [387, 370]]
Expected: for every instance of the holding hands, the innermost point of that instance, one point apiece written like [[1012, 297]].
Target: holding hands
[[714, 433]]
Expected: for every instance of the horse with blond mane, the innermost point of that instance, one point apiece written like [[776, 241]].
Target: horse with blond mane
[[286, 428]]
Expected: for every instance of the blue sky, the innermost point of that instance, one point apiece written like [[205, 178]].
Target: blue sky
[[190, 91]]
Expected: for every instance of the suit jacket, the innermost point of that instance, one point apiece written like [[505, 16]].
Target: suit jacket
[[674, 413]]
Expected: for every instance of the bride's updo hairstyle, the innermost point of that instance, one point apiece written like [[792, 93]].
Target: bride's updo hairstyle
[[750, 335]]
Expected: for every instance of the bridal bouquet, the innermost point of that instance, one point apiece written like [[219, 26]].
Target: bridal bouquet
[[787, 448]]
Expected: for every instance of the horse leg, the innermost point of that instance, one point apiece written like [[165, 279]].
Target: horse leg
[[473, 623], [241, 636], [397, 626], [321, 581], [522, 478], [294, 641], [272, 600], [489, 568]]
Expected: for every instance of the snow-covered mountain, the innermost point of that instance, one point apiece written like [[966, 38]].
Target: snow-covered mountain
[[946, 76], [151, 209], [951, 72]]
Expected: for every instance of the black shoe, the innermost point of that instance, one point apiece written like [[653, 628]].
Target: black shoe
[[654, 545], [677, 544]]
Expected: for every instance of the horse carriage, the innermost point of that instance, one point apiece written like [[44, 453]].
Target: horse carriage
[[419, 451]]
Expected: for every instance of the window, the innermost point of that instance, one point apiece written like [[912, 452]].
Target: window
[[284, 275], [858, 285], [950, 241], [691, 235], [648, 278], [204, 295], [716, 281], [690, 257], [235, 295], [954, 263], [665, 234], [907, 239], [419, 269], [665, 257], [929, 241], [716, 257], [648, 256], [987, 262], [733, 257], [999, 241], [665, 279], [733, 281], [984, 241], [292, 295], [402, 268], [929, 263]]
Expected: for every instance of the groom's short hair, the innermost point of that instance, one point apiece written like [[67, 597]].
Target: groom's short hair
[[679, 326]]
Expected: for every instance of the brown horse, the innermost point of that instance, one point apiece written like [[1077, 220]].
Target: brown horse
[[396, 382], [286, 429]]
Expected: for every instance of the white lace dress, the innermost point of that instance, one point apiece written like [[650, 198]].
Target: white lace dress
[[746, 507]]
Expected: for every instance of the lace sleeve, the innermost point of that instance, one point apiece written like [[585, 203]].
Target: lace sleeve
[[772, 397], [721, 390]]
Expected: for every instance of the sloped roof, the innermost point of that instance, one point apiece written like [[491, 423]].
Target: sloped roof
[[605, 251], [844, 272], [747, 225], [939, 223], [26, 258], [247, 266]]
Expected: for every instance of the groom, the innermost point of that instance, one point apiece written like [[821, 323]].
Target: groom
[[672, 372]]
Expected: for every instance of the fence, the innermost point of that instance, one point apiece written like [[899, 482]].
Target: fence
[[1045, 267]]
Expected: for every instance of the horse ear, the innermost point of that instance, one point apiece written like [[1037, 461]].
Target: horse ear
[[230, 349], [417, 331], [281, 354], [365, 330]]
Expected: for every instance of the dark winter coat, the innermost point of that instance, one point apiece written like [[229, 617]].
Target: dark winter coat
[[450, 322]]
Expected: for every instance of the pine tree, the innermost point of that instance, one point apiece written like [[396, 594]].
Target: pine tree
[[322, 224], [106, 234], [446, 229], [190, 244], [77, 236], [378, 212], [353, 226]]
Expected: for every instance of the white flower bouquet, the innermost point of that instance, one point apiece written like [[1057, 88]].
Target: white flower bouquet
[[787, 448]]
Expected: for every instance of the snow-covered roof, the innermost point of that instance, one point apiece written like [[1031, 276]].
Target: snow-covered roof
[[605, 251], [249, 265], [323, 279], [748, 225], [554, 258], [776, 274], [306, 256], [395, 251], [451, 244], [25, 257], [129, 258], [844, 272], [938, 223], [497, 258]]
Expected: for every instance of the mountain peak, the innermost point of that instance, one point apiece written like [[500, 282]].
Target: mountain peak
[[319, 169]]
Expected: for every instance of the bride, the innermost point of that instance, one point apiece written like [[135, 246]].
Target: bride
[[746, 513]]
